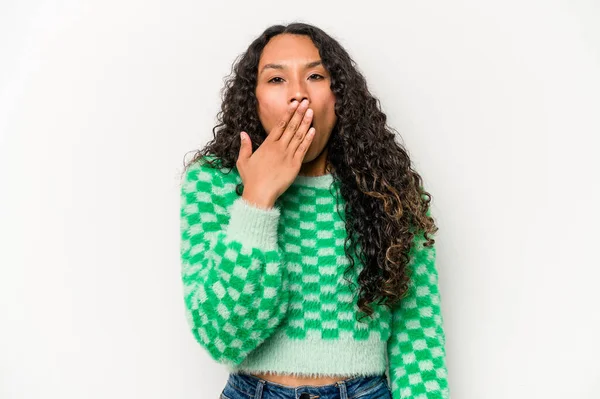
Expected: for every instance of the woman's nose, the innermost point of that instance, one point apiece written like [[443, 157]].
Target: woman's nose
[[298, 92], [299, 99]]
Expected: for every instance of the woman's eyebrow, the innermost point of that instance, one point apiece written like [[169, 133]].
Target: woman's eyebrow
[[311, 64]]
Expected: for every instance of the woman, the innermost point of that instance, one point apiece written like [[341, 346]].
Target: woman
[[307, 259]]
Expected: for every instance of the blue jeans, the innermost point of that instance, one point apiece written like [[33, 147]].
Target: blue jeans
[[246, 386]]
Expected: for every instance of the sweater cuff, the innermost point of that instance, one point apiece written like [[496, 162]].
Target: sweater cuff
[[253, 226]]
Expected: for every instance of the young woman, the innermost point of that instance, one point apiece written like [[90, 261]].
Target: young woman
[[308, 264]]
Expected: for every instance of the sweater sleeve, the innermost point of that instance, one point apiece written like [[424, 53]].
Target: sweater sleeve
[[416, 348], [233, 281]]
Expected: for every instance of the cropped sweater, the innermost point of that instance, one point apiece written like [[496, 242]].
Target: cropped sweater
[[265, 289]]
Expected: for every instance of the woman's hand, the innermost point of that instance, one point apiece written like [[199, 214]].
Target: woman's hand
[[271, 169]]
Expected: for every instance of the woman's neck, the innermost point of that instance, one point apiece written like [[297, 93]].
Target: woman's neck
[[316, 167]]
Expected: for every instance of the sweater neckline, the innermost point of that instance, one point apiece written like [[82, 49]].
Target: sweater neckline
[[322, 181]]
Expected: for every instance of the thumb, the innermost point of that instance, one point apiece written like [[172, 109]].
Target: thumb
[[245, 146]]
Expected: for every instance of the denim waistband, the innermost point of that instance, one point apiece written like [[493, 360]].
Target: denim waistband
[[348, 387]]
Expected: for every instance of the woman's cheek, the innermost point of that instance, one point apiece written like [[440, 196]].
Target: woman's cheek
[[264, 115]]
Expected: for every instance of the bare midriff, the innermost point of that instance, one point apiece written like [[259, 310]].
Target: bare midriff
[[295, 381]]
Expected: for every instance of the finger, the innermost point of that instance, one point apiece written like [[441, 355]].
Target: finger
[[294, 123], [303, 148], [301, 132], [245, 148], [276, 133]]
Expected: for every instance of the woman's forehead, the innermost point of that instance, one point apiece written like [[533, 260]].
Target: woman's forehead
[[289, 50]]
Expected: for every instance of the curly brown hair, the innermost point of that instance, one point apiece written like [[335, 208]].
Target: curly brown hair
[[386, 204]]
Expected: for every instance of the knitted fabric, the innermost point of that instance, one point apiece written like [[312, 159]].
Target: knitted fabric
[[265, 289]]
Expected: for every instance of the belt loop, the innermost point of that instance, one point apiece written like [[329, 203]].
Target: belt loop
[[343, 391], [259, 389]]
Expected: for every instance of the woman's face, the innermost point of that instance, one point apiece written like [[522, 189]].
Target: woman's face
[[289, 69]]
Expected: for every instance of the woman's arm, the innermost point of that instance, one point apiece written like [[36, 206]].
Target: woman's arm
[[416, 348], [231, 267]]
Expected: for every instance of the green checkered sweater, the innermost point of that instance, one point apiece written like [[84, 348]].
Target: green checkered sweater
[[264, 289]]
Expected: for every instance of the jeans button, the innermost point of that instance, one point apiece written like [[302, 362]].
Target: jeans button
[[305, 396]]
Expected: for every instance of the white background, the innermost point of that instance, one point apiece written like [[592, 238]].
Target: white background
[[497, 102]]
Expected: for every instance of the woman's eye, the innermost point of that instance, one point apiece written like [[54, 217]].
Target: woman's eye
[[314, 75]]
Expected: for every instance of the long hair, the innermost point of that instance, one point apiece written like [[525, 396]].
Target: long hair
[[386, 204]]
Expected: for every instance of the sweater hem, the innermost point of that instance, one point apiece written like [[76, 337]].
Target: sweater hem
[[315, 357]]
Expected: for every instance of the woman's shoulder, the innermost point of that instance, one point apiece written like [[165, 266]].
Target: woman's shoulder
[[209, 170]]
